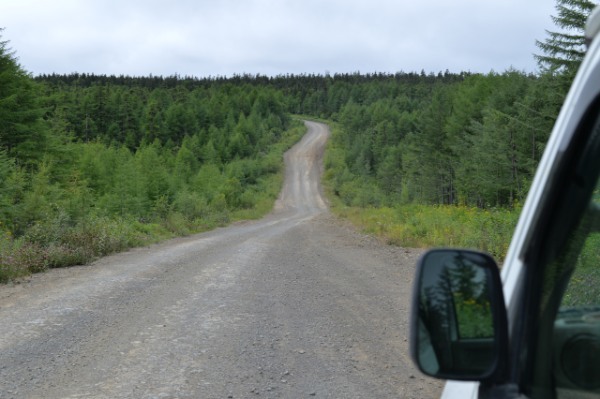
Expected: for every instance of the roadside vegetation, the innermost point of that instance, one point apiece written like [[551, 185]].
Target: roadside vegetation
[[426, 226], [90, 165], [93, 165]]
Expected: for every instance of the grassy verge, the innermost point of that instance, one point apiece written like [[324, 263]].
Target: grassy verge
[[420, 226], [56, 244]]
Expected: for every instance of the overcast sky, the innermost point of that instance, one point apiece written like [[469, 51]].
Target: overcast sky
[[272, 37]]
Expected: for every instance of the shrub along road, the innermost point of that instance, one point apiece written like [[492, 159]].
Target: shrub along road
[[295, 305]]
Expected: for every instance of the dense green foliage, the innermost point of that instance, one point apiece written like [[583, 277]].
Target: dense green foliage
[[474, 141]]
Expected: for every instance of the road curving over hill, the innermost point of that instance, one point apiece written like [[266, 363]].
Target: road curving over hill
[[295, 305]]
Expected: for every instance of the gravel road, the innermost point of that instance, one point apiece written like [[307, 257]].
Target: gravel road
[[296, 305]]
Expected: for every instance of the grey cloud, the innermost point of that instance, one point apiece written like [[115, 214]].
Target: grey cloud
[[274, 37]]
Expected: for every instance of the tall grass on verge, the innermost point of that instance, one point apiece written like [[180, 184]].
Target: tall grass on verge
[[58, 244], [422, 226]]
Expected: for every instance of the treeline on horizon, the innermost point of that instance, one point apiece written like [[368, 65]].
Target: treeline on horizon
[[468, 139], [464, 139], [445, 138], [93, 164], [309, 80]]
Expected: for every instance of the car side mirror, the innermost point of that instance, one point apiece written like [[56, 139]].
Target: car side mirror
[[458, 322]]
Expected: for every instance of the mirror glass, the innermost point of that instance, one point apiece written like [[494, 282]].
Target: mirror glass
[[454, 323]]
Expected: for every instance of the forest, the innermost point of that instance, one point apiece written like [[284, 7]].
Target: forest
[[94, 164]]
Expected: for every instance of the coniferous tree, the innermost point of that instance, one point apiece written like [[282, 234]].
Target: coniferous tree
[[563, 51], [22, 132]]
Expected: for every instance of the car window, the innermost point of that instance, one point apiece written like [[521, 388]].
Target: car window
[[576, 346], [566, 333]]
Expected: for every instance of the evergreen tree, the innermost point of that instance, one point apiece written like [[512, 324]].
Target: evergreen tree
[[429, 165], [22, 132], [563, 51]]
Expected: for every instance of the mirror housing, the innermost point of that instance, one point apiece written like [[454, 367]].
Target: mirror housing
[[458, 323]]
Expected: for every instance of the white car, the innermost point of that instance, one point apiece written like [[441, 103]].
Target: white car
[[533, 329]]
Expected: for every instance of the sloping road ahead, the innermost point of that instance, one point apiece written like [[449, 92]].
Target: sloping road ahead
[[294, 305]]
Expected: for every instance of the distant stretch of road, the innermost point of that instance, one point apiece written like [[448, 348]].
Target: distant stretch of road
[[295, 305]]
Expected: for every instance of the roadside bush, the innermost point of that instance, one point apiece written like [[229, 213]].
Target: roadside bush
[[18, 259], [191, 205], [177, 223], [59, 243], [58, 255], [30, 256]]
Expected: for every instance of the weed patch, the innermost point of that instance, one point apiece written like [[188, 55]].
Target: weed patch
[[422, 226]]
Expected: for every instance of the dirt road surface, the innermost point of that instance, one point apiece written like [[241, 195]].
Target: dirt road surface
[[296, 305]]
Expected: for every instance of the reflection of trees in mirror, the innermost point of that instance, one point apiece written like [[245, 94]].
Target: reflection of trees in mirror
[[439, 314], [456, 325], [435, 312], [474, 317], [471, 300], [458, 302]]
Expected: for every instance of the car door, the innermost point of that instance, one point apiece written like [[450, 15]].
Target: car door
[[550, 271], [560, 341]]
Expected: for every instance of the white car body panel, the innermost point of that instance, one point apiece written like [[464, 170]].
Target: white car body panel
[[460, 389]]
